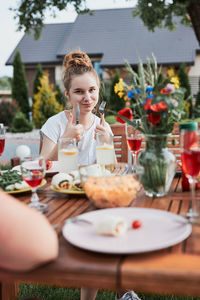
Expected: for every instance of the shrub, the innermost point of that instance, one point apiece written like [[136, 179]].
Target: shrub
[[60, 96], [115, 102], [185, 83], [7, 112], [20, 123], [36, 82], [19, 85], [45, 104], [110, 119]]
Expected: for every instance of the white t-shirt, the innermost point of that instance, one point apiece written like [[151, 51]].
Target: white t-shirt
[[55, 126]]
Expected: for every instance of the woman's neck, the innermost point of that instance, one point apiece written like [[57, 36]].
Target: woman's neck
[[86, 120]]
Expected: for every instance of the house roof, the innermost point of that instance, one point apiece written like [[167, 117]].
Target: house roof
[[45, 49], [114, 34]]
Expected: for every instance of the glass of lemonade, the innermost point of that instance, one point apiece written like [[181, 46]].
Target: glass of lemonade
[[105, 152], [67, 155]]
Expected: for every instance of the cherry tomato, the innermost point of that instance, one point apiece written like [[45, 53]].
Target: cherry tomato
[[136, 224]]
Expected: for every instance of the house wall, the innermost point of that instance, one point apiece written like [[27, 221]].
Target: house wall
[[194, 75]]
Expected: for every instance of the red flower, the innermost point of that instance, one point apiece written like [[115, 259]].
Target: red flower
[[155, 107], [164, 91], [125, 112], [153, 118]]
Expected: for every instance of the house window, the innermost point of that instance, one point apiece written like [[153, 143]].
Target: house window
[[98, 68]]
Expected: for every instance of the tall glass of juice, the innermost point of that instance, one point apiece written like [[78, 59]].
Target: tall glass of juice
[[67, 155], [105, 153]]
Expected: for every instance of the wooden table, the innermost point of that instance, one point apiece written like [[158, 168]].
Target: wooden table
[[175, 270]]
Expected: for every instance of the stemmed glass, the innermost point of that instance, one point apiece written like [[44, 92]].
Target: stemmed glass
[[2, 138], [33, 172], [134, 141], [190, 159]]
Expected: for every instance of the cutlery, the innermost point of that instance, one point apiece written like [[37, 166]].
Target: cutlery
[[73, 220], [77, 113], [102, 107]]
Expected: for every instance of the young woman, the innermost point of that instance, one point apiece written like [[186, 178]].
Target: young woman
[[81, 84]]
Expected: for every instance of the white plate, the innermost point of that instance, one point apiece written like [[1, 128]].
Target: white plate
[[53, 169], [160, 229]]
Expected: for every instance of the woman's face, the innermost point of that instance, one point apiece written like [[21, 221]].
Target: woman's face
[[84, 91]]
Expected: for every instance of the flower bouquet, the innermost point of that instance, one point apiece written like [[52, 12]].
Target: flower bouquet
[[159, 105]]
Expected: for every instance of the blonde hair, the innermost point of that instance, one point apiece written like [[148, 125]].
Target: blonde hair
[[77, 63]]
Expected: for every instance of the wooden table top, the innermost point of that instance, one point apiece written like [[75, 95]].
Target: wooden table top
[[175, 270]]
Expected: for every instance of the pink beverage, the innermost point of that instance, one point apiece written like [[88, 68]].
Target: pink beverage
[[134, 143], [191, 162], [2, 145], [33, 180]]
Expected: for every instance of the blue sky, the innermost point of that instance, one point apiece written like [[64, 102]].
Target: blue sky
[[9, 36]]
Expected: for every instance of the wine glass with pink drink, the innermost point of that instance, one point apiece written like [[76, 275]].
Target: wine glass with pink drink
[[190, 159], [33, 172], [2, 138], [134, 141]]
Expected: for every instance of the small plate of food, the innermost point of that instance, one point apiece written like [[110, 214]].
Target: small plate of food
[[67, 183], [11, 182]]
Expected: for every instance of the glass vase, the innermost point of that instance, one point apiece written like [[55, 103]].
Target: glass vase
[[158, 165]]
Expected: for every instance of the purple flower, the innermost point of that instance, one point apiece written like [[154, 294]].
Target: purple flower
[[170, 88]]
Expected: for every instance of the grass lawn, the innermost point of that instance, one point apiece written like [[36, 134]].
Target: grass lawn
[[51, 293]]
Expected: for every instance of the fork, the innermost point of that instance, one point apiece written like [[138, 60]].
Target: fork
[[73, 220], [102, 107]]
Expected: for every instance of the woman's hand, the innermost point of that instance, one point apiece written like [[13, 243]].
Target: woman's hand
[[71, 130], [102, 127]]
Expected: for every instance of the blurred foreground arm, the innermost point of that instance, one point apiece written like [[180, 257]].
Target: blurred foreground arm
[[26, 237]]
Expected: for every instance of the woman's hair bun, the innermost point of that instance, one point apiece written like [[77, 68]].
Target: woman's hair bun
[[76, 59]]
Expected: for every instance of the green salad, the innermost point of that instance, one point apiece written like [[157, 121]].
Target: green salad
[[9, 177]]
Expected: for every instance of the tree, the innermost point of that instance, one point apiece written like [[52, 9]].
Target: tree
[[45, 104], [31, 13], [60, 96], [157, 13], [197, 104], [185, 83], [36, 83], [154, 13], [19, 85]]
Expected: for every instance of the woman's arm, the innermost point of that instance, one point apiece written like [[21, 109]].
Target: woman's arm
[[26, 238], [49, 149]]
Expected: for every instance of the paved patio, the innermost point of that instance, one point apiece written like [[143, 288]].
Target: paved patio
[[31, 139]]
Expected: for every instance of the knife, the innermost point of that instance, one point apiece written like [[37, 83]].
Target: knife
[[77, 113]]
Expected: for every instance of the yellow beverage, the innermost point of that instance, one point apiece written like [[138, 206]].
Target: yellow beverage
[[105, 154], [68, 159]]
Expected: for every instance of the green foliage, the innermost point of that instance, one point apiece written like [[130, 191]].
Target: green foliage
[[110, 119], [45, 104], [185, 83], [158, 111], [7, 112], [20, 123], [36, 82], [197, 104], [5, 83], [19, 84], [53, 293], [60, 96], [115, 102], [31, 15], [160, 13]]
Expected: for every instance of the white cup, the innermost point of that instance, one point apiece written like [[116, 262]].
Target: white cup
[[67, 155]]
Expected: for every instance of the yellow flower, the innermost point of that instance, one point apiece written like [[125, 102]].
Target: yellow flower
[[175, 81], [171, 72], [120, 94]]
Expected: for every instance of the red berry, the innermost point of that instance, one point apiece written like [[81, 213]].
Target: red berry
[[136, 224]]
